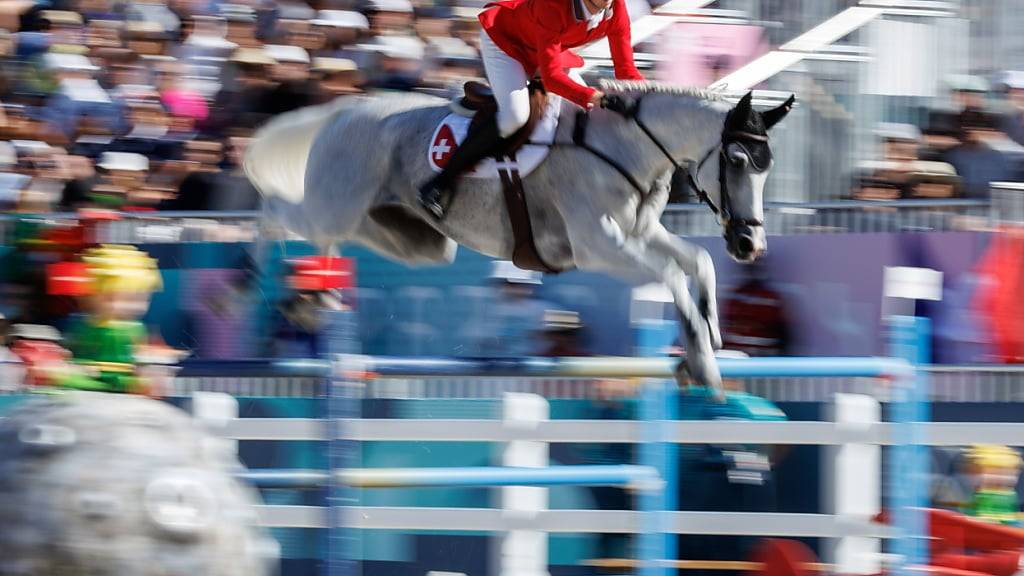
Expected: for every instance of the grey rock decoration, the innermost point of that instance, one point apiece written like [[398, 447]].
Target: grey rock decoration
[[95, 484]]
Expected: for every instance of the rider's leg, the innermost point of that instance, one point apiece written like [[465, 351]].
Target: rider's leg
[[511, 89]]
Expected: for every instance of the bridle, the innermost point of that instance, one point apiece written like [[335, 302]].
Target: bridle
[[723, 212]]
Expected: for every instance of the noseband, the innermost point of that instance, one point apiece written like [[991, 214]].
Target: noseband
[[723, 212]]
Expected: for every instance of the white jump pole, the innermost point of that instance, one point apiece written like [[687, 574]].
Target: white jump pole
[[523, 552], [852, 482]]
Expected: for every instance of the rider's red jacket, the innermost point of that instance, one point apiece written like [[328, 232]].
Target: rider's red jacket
[[539, 34]]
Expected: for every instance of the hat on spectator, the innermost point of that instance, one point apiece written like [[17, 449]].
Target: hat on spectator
[[341, 19], [68, 62], [253, 56], [35, 332], [466, 12], [127, 161], [1012, 79], [238, 13], [144, 29], [967, 83], [402, 47], [333, 65], [388, 6], [11, 185], [294, 11], [30, 146], [285, 53], [61, 17], [8, 155], [898, 132]]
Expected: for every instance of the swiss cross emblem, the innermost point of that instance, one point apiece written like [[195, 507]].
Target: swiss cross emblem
[[443, 146]]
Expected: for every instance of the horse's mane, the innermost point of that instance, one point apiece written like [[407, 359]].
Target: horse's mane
[[650, 87]]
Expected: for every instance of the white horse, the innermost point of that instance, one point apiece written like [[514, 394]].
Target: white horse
[[348, 171]]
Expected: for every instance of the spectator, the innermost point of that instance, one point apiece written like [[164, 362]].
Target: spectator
[[901, 173], [975, 161], [756, 321], [1012, 122], [290, 71], [335, 77], [341, 29], [563, 334]]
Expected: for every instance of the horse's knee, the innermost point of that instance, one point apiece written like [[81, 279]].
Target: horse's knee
[[703, 265]]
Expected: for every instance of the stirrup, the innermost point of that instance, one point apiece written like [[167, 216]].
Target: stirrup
[[431, 197]]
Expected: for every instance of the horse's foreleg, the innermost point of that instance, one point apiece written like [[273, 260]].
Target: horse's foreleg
[[696, 263], [606, 248]]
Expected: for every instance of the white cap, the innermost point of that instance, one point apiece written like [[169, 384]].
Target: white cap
[[404, 47], [1013, 79], [507, 271], [73, 62], [389, 6], [341, 19], [285, 53], [8, 155], [128, 161]]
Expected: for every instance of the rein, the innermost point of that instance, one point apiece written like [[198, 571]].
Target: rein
[[723, 212]]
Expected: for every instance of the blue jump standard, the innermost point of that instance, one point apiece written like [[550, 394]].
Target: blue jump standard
[[614, 475]]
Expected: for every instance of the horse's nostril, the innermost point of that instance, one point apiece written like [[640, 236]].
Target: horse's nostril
[[745, 244]]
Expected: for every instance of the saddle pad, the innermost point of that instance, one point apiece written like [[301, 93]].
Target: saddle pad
[[452, 131]]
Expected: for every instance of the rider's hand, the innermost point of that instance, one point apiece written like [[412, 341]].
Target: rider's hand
[[618, 103], [596, 99]]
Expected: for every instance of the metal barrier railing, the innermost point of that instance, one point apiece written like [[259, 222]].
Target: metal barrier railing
[[1006, 206]]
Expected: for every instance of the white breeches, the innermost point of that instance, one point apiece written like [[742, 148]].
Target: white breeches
[[510, 85]]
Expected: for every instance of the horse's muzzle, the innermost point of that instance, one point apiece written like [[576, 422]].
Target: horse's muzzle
[[745, 243]]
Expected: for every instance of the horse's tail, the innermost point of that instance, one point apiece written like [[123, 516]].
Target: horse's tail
[[275, 160]]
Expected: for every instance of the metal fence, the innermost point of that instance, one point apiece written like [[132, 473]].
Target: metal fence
[[969, 383], [1005, 207]]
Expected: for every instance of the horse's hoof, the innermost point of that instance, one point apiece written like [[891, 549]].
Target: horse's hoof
[[702, 372]]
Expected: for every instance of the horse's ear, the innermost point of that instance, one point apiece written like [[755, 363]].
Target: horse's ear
[[775, 115], [744, 106]]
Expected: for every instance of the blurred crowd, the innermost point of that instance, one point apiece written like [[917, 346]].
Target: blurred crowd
[[149, 105], [954, 152]]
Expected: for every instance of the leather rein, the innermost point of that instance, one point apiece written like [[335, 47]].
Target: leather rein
[[723, 212]]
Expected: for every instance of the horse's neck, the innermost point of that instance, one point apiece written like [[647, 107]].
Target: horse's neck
[[686, 126]]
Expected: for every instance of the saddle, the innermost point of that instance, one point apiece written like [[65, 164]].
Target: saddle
[[478, 100]]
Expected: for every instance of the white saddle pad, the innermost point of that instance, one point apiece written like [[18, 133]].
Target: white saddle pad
[[452, 131]]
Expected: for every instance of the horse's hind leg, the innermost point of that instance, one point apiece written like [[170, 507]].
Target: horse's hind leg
[[696, 263], [604, 247]]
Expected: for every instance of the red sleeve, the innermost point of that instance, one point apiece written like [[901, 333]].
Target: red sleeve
[[620, 42], [549, 61]]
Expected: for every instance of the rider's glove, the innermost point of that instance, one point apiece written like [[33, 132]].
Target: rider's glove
[[618, 103]]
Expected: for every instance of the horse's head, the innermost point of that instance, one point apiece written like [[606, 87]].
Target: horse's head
[[735, 188]]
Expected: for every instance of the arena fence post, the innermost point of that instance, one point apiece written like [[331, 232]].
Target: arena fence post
[[908, 478]]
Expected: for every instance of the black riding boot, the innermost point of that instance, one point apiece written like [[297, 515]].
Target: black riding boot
[[481, 143]]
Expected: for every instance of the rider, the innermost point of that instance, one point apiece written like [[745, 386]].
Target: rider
[[521, 38]]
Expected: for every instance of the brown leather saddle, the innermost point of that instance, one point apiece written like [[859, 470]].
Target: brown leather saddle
[[479, 98]]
